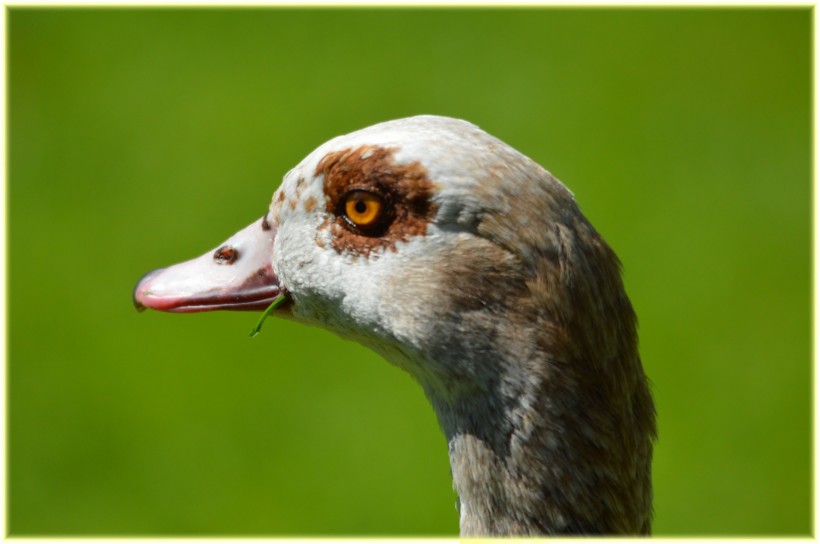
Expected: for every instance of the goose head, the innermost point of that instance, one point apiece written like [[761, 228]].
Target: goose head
[[471, 267]]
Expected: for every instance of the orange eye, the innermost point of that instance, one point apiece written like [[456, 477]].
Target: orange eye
[[363, 208]]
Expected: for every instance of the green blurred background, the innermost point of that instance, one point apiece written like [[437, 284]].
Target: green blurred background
[[138, 138]]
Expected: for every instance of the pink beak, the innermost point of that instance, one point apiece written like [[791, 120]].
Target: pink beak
[[236, 276]]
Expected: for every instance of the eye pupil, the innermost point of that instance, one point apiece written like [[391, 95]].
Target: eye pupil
[[360, 206]]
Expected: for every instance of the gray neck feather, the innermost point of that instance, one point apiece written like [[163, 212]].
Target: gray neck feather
[[529, 456], [539, 389]]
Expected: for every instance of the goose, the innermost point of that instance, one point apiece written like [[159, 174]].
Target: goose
[[468, 265]]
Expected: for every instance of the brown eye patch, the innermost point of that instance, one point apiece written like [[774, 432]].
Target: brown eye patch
[[404, 190]]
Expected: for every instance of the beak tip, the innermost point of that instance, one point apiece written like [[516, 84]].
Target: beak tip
[[139, 290], [135, 299]]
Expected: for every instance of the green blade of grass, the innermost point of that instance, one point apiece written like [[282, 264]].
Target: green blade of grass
[[273, 305]]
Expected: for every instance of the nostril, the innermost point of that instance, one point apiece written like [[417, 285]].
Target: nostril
[[226, 255]]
